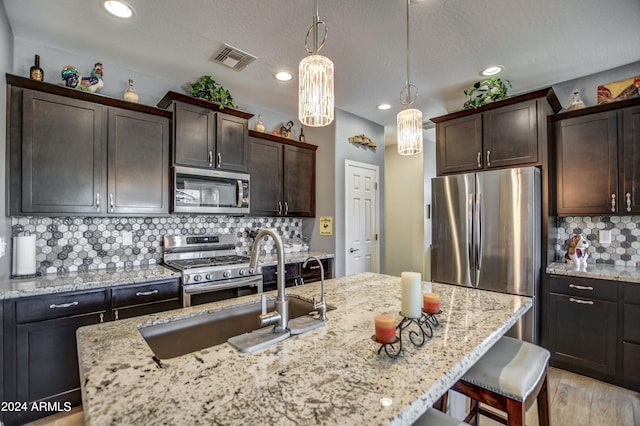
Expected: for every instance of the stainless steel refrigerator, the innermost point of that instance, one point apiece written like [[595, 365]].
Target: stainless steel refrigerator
[[486, 234]]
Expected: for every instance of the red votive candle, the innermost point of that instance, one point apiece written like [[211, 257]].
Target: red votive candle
[[385, 328], [431, 303]]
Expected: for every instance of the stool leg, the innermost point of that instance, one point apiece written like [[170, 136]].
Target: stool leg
[[472, 417], [543, 404], [515, 412], [441, 404]]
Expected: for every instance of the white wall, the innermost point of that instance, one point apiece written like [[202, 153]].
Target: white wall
[[408, 191], [350, 125], [6, 65]]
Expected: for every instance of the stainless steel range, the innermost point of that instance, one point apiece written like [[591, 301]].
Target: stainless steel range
[[211, 269]]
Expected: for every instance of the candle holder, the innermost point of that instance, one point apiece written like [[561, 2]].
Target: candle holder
[[430, 319], [418, 338], [394, 353]]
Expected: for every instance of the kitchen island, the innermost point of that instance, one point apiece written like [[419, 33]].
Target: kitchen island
[[331, 375]]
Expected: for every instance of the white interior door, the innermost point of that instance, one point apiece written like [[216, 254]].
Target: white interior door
[[361, 211]]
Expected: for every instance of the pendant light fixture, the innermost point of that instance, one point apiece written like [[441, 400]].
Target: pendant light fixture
[[315, 88], [409, 121]]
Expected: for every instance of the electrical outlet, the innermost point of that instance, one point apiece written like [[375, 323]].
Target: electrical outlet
[[2, 246], [605, 236], [127, 238]]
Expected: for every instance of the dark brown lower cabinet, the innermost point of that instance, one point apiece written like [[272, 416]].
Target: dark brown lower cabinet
[[594, 328], [147, 298], [40, 351], [295, 274], [585, 333], [40, 355], [631, 336]]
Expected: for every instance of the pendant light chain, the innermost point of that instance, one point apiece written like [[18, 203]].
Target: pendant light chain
[[406, 91], [409, 120], [316, 88]]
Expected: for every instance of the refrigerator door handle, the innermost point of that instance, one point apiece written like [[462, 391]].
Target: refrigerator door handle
[[471, 249], [478, 220]]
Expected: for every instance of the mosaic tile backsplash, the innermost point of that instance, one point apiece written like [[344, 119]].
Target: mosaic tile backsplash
[[67, 244], [624, 249]]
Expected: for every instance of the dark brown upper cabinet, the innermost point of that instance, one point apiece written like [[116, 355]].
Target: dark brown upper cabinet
[[77, 153], [598, 160], [507, 133], [206, 136], [283, 176]]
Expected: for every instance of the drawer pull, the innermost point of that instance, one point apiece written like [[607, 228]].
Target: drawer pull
[[581, 287], [146, 293], [314, 267], [584, 302], [63, 305]]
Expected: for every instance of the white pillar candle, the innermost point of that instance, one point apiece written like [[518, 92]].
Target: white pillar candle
[[411, 294]]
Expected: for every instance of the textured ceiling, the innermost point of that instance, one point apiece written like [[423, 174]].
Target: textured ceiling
[[540, 42]]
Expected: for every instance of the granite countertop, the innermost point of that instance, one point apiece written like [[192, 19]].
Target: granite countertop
[[52, 283], [597, 271], [331, 375], [296, 257], [73, 281]]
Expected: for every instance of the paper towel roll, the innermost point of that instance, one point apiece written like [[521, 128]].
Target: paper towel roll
[[24, 255]]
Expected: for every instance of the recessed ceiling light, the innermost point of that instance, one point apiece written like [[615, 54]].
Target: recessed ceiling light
[[492, 70], [117, 8], [283, 76], [384, 106]]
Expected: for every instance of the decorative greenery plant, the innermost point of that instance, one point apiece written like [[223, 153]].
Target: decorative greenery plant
[[206, 88], [490, 90]]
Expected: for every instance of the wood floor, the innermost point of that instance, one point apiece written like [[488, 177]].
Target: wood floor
[[574, 400]]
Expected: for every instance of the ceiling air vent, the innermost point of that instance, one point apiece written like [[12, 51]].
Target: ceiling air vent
[[232, 57]]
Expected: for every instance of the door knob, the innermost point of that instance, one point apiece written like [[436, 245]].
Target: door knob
[[351, 250]]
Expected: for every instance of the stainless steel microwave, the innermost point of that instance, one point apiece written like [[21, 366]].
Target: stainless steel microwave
[[209, 191]]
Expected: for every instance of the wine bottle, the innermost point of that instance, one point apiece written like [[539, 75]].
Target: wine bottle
[[131, 95], [35, 72]]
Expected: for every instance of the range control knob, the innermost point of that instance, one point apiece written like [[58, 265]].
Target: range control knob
[[209, 277], [197, 278], [251, 271], [242, 272], [226, 274]]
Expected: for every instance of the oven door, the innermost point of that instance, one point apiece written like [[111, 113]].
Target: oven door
[[197, 294], [209, 191]]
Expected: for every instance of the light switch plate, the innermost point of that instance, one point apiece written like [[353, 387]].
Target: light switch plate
[[605, 236], [127, 238], [2, 246]]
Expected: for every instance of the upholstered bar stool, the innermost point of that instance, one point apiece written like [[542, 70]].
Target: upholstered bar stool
[[509, 377], [434, 417]]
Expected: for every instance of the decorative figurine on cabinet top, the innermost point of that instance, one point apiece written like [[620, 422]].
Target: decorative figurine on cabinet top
[[578, 252], [75, 80], [285, 131]]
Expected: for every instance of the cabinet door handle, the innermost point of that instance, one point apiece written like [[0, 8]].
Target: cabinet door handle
[[101, 317], [97, 201], [280, 208], [479, 159], [581, 287], [116, 315], [210, 159], [584, 302], [111, 201], [628, 201], [146, 293], [219, 159], [488, 158], [613, 202], [63, 305], [286, 208]]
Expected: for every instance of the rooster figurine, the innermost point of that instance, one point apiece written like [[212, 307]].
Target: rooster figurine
[[73, 79]]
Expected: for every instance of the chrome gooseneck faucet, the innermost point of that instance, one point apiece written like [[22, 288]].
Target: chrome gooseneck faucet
[[322, 306], [279, 318]]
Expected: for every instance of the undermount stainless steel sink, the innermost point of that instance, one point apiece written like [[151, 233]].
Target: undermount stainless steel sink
[[183, 336]]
